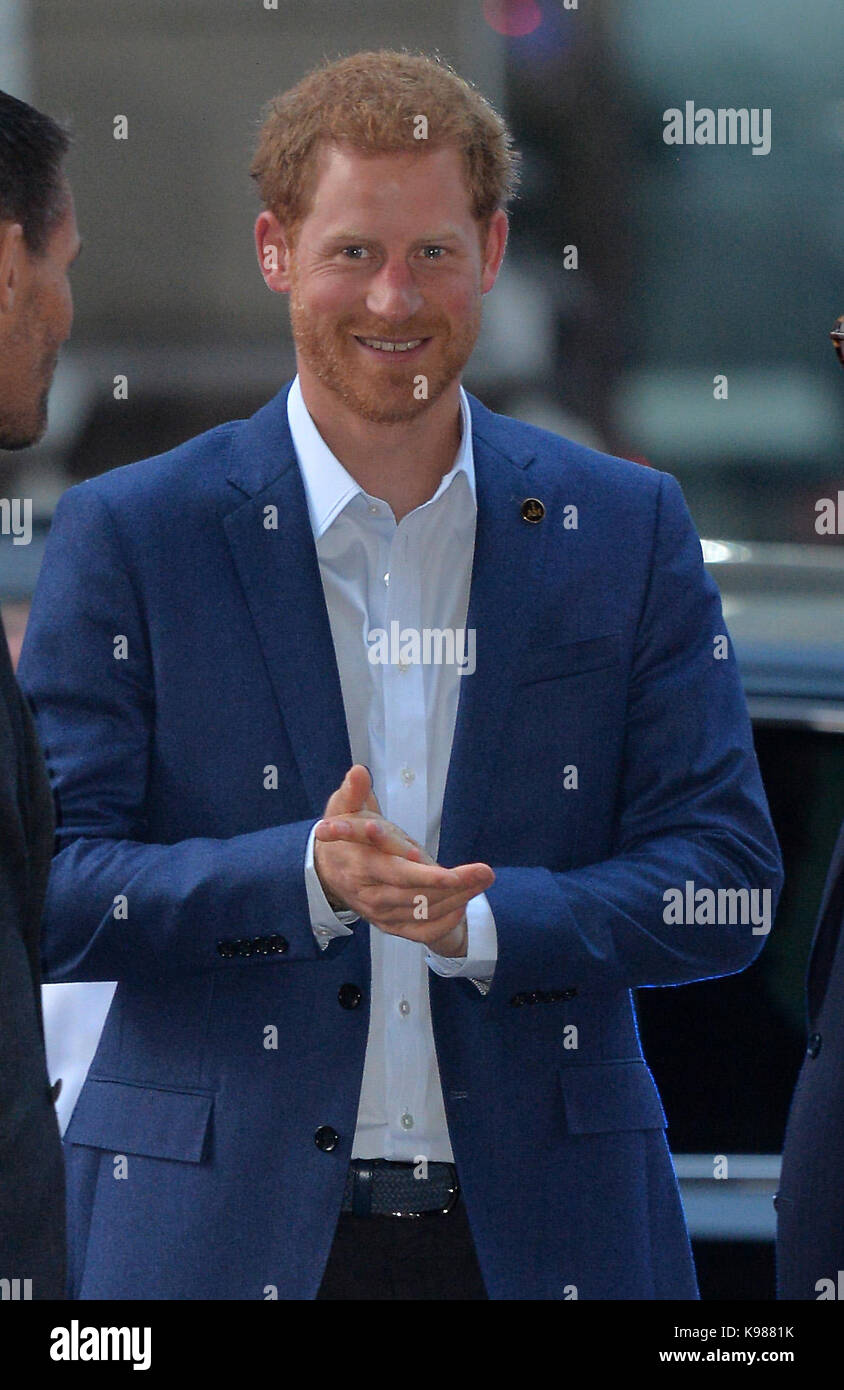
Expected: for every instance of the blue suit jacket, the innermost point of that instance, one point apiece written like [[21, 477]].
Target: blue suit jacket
[[594, 650]]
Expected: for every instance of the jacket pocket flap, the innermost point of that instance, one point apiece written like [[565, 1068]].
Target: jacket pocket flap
[[570, 659], [125, 1118], [610, 1095]]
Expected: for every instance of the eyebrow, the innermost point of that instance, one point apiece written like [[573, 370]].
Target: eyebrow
[[359, 238]]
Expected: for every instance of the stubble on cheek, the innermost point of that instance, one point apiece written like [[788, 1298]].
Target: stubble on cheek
[[23, 407], [315, 340]]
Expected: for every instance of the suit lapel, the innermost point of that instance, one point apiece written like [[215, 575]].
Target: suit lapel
[[827, 932], [508, 554], [279, 572]]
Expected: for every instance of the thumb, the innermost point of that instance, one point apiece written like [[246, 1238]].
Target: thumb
[[354, 793]]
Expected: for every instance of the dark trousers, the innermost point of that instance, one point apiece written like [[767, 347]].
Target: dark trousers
[[403, 1257]]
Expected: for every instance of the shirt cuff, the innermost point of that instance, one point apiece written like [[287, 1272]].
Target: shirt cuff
[[325, 922], [478, 964]]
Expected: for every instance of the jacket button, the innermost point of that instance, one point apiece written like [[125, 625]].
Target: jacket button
[[326, 1138], [349, 996], [813, 1046], [56, 1090]]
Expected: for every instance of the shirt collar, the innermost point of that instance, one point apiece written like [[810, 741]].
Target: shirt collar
[[329, 487]]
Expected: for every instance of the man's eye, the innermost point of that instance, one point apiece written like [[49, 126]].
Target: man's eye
[[354, 253], [439, 250]]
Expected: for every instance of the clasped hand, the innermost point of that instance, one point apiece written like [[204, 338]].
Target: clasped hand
[[368, 864]]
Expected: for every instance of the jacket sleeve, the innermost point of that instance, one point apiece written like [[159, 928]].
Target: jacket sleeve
[[691, 810], [119, 907]]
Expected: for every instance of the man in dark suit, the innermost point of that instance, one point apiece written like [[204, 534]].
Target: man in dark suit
[[395, 742], [38, 242], [810, 1202]]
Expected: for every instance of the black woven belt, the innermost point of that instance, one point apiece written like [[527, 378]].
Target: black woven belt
[[380, 1187]]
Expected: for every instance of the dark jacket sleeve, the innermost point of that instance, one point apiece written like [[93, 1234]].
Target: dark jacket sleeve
[[32, 1210]]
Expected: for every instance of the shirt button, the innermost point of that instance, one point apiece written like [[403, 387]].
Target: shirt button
[[407, 1121], [387, 578], [373, 509], [404, 1008], [408, 776]]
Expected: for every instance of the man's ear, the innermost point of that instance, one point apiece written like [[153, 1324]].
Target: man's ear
[[493, 253], [274, 249], [12, 252]]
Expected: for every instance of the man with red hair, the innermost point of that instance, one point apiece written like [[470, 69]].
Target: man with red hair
[[381, 727]]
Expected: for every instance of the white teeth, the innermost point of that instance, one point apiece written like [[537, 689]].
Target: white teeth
[[391, 347]]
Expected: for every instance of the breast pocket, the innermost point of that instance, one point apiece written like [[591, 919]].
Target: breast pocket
[[156, 1122], [569, 659]]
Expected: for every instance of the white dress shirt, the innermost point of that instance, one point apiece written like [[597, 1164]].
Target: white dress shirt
[[400, 717]]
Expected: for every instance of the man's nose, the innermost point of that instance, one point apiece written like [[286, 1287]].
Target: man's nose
[[393, 293]]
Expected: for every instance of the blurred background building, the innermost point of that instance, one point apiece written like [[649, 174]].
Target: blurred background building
[[638, 272]]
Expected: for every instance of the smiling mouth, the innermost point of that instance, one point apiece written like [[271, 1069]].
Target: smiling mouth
[[391, 345]]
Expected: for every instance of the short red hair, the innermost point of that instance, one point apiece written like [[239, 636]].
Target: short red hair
[[372, 102]]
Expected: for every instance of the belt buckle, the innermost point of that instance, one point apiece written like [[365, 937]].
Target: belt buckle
[[362, 1191], [451, 1202]]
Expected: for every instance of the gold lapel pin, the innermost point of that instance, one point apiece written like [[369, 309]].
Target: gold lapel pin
[[532, 509]]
